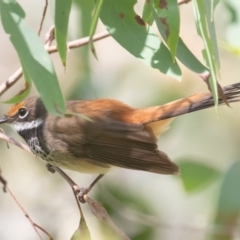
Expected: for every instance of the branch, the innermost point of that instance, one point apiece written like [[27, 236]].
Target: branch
[[51, 49], [3, 181], [97, 209], [34, 225], [43, 17], [183, 1], [80, 42]]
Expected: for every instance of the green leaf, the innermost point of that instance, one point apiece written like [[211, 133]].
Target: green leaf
[[196, 175], [62, 12], [205, 25], [182, 51], [82, 232], [132, 33], [94, 25], [167, 16], [34, 59], [189, 60], [147, 14], [228, 208]]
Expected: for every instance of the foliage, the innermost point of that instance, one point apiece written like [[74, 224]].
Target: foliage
[[152, 34]]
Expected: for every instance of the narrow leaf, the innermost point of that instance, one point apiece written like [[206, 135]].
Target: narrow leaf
[[189, 60], [82, 232], [94, 25], [62, 12], [34, 59], [167, 13], [206, 29], [147, 14], [132, 33], [182, 51]]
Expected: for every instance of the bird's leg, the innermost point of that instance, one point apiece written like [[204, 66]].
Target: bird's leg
[[84, 191], [76, 189], [80, 192]]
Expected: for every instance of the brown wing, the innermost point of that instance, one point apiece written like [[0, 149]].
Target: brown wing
[[133, 148], [129, 154]]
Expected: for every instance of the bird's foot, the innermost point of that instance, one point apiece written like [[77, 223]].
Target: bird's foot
[[81, 193]]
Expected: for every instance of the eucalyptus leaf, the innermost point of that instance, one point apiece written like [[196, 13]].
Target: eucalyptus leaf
[[82, 232], [183, 53], [62, 13], [205, 26], [34, 59], [132, 33], [168, 15], [94, 25]]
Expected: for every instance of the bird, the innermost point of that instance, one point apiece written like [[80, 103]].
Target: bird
[[112, 134]]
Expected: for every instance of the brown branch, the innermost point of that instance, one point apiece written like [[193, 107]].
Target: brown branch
[[14, 142], [183, 1], [34, 225], [10, 81], [3, 181], [43, 17], [82, 229], [96, 208], [81, 42], [51, 49], [49, 37]]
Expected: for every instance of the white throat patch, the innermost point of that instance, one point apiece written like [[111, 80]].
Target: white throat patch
[[21, 126]]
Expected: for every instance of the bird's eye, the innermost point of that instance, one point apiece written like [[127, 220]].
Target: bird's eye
[[22, 113]]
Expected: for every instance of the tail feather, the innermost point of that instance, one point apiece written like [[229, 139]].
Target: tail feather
[[189, 104]]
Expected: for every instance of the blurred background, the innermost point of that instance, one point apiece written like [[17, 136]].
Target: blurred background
[[143, 205]]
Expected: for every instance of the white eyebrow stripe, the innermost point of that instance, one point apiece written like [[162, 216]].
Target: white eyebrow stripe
[[21, 126]]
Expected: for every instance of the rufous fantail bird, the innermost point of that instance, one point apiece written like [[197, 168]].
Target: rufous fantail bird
[[116, 134]]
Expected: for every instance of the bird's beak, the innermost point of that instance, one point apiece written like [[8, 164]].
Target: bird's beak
[[3, 120]]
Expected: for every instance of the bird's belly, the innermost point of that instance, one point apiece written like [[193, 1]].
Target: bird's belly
[[82, 165]]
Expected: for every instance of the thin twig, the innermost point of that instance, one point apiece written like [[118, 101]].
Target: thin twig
[[34, 225], [10, 81], [2, 131], [15, 142], [49, 37], [80, 42], [183, 1], [76, 189], [73, 185], [96, 208], [3, 181], [43, 17]]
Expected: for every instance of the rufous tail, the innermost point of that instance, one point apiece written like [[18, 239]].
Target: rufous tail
[[189, 104]]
